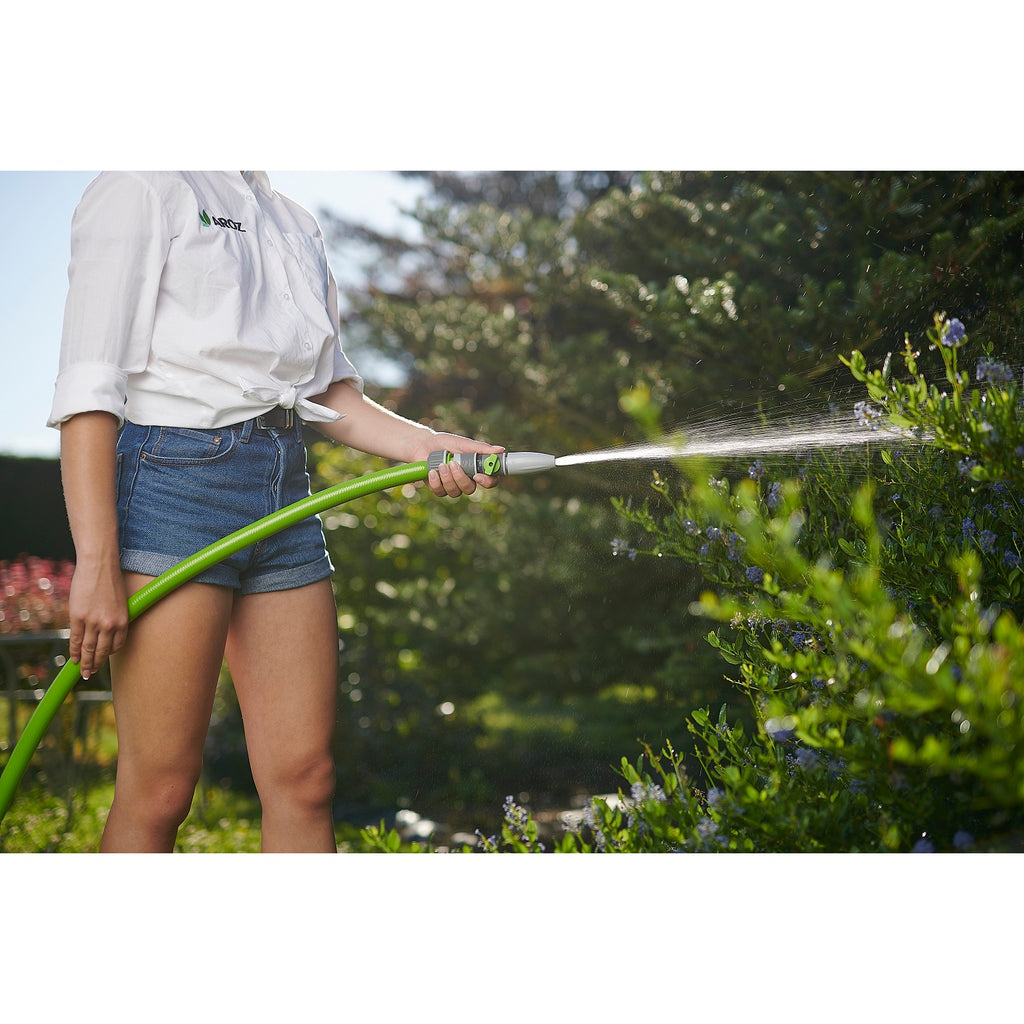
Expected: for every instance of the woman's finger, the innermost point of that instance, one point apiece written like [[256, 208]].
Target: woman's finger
[[87, 659]]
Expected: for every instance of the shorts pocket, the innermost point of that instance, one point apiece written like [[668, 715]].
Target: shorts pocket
[[183, 446]]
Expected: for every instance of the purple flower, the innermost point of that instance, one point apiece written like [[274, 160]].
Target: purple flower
[[779, 729], [1011, 559], [641, 791], [994, 372], [690, 527], [806, 758], [707, 828], [963, 840], [967, 528], [987, 540], [867, 415], [733, 542], [953, 332], [756, 470], [755, 574], [923, 846], [774, 497], [621, 547]]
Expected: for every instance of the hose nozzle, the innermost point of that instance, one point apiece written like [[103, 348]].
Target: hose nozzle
[[503, 464]]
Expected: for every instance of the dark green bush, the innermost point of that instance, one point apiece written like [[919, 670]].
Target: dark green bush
[[873, 620]]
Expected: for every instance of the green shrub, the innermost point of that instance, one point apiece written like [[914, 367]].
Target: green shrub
[[871, 610]]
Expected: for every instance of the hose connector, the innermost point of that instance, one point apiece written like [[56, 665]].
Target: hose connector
[[502, 464]]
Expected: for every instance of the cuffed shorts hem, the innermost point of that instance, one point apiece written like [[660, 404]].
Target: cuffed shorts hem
[[287, 579], [152, 563]]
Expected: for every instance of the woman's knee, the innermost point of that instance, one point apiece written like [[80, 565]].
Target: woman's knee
[[159, 797], [301, 779]]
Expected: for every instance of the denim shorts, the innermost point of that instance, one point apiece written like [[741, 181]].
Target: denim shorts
[[180, 490]]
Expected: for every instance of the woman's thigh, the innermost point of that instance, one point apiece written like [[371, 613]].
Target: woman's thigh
[[282, 650], [165, 677]]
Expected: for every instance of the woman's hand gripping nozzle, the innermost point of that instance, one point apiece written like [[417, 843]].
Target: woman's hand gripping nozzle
[[503, 464]]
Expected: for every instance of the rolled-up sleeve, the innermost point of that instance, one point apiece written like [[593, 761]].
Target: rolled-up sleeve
[[120, 236]]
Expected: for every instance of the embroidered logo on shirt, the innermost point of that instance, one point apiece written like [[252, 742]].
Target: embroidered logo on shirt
[[221, 222]]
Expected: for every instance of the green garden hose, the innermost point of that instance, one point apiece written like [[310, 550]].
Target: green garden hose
[[181, 573]]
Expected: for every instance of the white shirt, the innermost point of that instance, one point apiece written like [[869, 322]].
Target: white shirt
[[196, 299]]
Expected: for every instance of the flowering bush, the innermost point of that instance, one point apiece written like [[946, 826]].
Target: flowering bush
[[872, 610], [876, 628], [33, 599], [34, 595]]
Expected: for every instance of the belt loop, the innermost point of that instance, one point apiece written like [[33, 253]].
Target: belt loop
[[245, 430]]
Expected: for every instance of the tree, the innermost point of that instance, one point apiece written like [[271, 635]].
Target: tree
[[750, 281]]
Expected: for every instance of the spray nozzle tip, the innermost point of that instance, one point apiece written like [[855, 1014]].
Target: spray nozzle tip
[[516, 463]]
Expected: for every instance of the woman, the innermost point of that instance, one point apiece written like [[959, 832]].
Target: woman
[[201, 329]]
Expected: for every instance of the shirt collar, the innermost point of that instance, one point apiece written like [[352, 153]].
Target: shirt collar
[[260, 180]]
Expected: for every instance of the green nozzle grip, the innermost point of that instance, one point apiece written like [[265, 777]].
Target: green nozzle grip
[[469, 461]]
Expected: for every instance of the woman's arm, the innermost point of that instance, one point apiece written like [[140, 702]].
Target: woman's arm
[[98, 604], [369, 427]]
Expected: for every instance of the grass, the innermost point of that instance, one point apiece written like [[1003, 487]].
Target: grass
[[220, 822], [553, 747], [55, 813], [41, 822]]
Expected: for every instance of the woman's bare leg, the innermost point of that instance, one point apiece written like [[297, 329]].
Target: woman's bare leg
[[282, 650], [164, 681]]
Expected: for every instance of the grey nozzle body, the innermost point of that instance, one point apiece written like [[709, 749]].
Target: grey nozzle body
[[514, 463], [507, 463]]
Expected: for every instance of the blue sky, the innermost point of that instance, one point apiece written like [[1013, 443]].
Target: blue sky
[[35, 211]]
